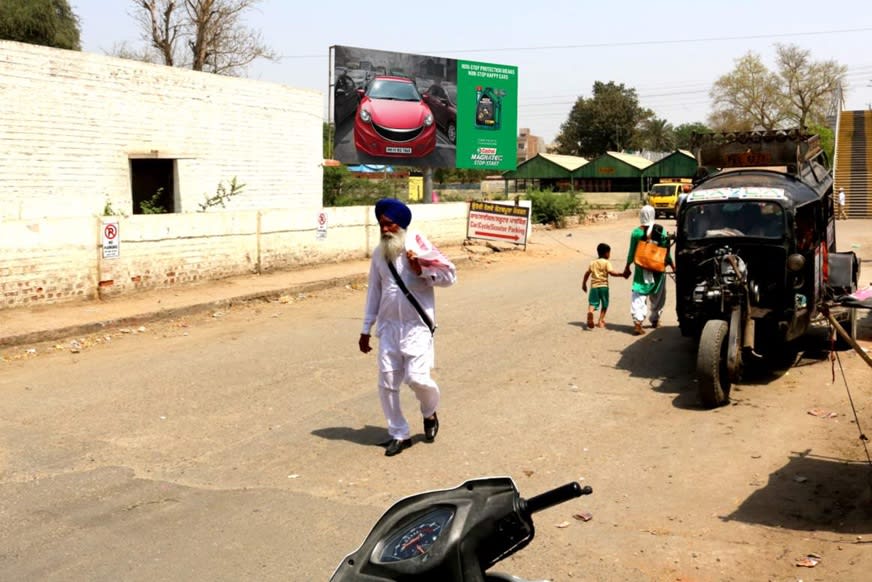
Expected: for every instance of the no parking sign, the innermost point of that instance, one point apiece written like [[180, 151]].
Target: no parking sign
[[321, 232], [111, 241]]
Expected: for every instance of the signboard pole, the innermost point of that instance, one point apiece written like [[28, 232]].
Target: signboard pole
[[428, 185], [110, 243], [331, 105]]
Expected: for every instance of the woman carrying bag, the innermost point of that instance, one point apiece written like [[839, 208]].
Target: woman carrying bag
[[649, 252]]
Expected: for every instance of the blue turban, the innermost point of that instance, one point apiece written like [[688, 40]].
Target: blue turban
[[395, 210]]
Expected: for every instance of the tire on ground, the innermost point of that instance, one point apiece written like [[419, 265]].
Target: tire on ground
[[713, 381]]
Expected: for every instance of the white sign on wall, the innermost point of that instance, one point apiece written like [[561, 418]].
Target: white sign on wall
[[321, 232], [499, 222], [111, 241]]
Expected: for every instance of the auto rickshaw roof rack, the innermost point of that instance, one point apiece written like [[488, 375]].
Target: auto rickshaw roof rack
[[789, 149]]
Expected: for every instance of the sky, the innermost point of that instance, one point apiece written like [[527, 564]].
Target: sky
[[669, 51]]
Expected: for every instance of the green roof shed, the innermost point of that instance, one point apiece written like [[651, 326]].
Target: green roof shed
[[614, 165], [613, 172], [546, 167], [678, 164]]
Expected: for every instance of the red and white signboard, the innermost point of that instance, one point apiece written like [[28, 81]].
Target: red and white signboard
[[321, 232], [501, 222], [111, 241]]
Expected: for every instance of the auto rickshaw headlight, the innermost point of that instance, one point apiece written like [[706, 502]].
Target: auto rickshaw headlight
[[795, 263]]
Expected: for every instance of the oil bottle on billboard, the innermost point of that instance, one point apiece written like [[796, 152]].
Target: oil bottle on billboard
[[488, 108]]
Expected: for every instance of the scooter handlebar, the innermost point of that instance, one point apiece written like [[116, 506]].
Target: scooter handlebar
[[557, 496]]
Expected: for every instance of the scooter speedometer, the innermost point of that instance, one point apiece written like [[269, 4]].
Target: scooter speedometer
[[415, 538]]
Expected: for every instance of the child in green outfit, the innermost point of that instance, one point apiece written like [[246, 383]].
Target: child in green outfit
[[598, 272]]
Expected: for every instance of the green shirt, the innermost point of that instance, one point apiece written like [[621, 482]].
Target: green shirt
[[646, 282]]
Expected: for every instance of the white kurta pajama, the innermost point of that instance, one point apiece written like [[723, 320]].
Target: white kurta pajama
[[405, 347]]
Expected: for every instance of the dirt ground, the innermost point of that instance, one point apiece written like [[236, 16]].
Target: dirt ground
[[242, 443]]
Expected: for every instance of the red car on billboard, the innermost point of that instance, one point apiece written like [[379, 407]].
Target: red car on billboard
[[393, 120], [442, 99]]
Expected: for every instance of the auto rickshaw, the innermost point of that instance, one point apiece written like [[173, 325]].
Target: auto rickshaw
[[756, 258]]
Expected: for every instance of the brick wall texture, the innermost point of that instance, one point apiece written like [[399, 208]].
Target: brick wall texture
[[55, 260], [70, 122]]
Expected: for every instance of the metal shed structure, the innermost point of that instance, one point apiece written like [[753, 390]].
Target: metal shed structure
[[551, 171], [678, 164], [613, 172]]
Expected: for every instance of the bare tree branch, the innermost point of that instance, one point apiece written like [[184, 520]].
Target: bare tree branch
[[747, 98], [809, 86], [156, 18], [205, 35], [123, 50]]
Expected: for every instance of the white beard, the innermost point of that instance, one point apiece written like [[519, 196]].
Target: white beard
[[393, 244]]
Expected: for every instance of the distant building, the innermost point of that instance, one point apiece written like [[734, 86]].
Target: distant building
[[529, 145]]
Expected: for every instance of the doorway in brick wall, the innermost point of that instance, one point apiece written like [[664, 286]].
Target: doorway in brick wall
[[152, 185]]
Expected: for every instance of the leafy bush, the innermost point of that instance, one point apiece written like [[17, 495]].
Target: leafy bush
[[363, 192], [828, 139], [222, 194], [152, 205], [555, 207], [342, 188], [628, 204]]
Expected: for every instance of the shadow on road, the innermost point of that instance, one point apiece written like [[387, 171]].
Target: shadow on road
[[618, 327], [367, 436], [668, 361], [810, 494], [666, 358]]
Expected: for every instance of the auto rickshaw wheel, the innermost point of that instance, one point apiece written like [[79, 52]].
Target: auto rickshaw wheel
[[713, 378]]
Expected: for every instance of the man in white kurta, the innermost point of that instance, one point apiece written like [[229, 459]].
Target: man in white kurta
[[405, 347]]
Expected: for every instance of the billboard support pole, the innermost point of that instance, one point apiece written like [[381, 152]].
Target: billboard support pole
[[331, 133], [428, 185]]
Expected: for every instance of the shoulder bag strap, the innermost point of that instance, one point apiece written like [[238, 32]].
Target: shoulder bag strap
[[424, 317]]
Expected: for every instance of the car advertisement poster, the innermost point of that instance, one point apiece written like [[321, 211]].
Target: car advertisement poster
[[422, 111]]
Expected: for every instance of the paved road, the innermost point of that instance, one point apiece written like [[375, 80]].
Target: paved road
[[240, 445]]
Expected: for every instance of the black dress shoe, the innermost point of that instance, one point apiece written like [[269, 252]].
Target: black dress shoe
[[396, 447], [431, 428]]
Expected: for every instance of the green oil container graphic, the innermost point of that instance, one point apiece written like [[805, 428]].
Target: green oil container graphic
[[488, 107]]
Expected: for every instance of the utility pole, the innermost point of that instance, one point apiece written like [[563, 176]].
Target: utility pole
[[428, 185]]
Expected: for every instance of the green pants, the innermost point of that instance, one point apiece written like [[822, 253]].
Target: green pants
[[599, 297]]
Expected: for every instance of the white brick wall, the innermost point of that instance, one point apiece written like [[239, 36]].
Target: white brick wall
[[48, 261], [70, 121], [162, 251], [55, 260]]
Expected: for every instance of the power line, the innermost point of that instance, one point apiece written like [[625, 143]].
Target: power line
[[625, 43], [669, 41]]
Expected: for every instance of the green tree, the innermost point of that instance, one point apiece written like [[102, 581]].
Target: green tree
[[334, 177], [748, 97], [808, 86], [798, 94], [607, 121], [327, 133], [827, 137], [684, 131], [44, 22], [461, 175], [656, 135]]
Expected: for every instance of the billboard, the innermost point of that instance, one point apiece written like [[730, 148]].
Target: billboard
[[423, 111]]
